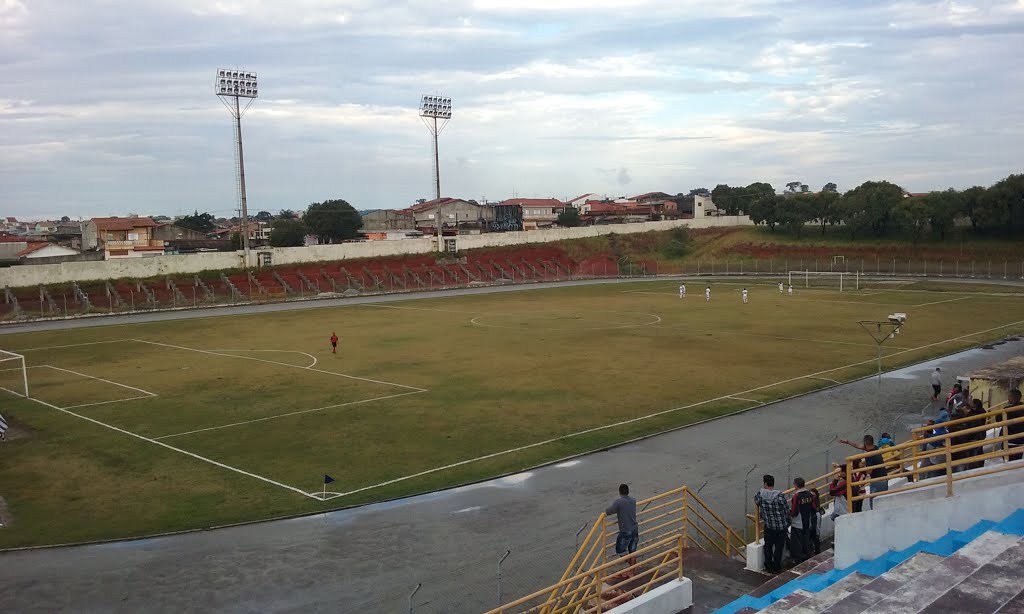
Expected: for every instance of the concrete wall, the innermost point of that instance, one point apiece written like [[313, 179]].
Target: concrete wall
[[925, 515], [671, 598], [20, 276]]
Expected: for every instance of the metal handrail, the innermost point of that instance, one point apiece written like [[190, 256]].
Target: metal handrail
[[594, 578], [946, 449], [991, 413]]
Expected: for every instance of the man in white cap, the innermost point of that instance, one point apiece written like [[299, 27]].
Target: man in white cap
[[936, 383]]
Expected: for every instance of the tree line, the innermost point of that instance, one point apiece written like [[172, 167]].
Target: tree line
[[331, 220], [880, 208]]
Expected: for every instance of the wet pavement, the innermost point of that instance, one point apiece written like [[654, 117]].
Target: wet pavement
[[370, 559]]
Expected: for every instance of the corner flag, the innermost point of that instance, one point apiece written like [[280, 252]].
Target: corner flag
[[328, 479]]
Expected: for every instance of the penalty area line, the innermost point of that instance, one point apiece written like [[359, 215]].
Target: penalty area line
[[281, 364], [292, 413], [178, 450], [654, 415]]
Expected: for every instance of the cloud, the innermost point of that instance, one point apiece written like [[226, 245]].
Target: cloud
[[109, 107]]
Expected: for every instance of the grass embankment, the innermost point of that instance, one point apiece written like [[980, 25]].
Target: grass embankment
[[499, 371]]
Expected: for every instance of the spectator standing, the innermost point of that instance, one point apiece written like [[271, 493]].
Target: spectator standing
[[936, 383], [873, 463], [774, 510], [1014, 409], [628, 538], [837, 488], [815, 533], [977, 410], [803, 512], [859, 475]]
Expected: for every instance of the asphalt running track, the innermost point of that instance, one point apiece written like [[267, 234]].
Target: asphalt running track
[[369, 559]]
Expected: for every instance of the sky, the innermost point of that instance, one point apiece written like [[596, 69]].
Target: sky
[[107, 106]]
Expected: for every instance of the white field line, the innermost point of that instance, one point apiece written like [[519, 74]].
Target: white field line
[[827, 379], [654, 415], [106, 402], [747, 400], [310, 356], [610, 325], [798, 300], [73, 345], [170, 447], [962, 298], [292, 413], [282, 364], [779, 337], [145, 392]]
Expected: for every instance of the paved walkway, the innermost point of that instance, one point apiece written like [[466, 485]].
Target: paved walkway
[[369, 559]]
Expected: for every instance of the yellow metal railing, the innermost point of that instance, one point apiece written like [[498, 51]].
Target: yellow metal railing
[[946, 456], [596, 578], [824, 498]]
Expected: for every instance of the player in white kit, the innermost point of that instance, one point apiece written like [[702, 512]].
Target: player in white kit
[[682, 291], [791, 289], [782, 290], [707, 294], [744, 295]]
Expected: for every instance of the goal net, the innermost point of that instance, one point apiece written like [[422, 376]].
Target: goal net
[[834, 280], [13, 373]]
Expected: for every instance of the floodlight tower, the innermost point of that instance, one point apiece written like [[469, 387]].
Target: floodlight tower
[[433, 108], [230, 86]]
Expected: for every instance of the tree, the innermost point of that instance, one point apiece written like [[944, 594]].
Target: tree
[[942, 209], [288, 233], [202, 222], [762, 205], [970, 200], [830, 187], [569, 217], [65, 219], [236, 241], [286, 214], [1001, 207], [804, 188], [871, 207], [334, 220], [264, 216], [793, 213], [727, 199], [912, 213], [824, 208], [792, 186], [700, 192]]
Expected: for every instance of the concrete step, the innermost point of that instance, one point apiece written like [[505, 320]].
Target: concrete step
[[918, 593], [1014, 606], [986, 590], [823, 600], [885, 585]]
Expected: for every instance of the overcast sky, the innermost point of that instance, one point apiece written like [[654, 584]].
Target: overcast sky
[[107, 106]]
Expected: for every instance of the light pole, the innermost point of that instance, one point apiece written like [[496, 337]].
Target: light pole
[[230, 86], [881, 331], [433, 108]]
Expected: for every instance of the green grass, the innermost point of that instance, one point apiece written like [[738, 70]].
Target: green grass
[[464, 377]]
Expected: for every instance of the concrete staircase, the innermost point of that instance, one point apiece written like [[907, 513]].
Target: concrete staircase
[[977, 570]]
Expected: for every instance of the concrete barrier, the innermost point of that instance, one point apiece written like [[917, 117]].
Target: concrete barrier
[[671, 598], [184, 264]]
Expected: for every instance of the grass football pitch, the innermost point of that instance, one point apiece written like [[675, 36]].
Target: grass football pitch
[[146, 428]]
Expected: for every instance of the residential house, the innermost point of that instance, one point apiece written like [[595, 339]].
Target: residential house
[[69, 234], [258, 231], [456, 215], [583, 199], [388, 219], [122, 237], [651, 197], [44, 249], [172, 232], [536, 212]]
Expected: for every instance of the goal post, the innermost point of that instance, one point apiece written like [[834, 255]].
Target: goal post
[[14, 372], [840, 280]]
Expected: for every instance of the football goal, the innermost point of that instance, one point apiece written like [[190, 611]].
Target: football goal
[[837, 280], [13, 373]]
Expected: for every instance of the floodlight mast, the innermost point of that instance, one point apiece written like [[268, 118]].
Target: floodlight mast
[[876, 328], [433, 108], [230, 85]]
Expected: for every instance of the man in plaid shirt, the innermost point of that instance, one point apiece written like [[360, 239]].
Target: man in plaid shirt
[[775, 517]]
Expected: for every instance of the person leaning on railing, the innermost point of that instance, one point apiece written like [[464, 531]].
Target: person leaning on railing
[[1015, 410], [837, 488]]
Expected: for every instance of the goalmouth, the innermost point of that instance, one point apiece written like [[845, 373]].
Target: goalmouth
[[827, 279], [10, 363]]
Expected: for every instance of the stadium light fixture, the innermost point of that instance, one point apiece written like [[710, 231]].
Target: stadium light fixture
[[432, 109], [881, 331], [231, 85]]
